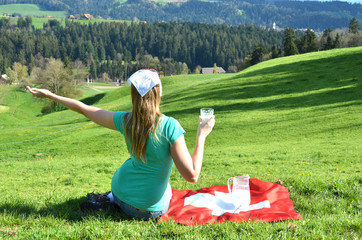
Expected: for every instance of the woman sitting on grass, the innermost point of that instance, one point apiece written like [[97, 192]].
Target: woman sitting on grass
[[140, 186]]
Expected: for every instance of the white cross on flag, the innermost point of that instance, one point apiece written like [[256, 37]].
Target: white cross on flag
[[269, 202]]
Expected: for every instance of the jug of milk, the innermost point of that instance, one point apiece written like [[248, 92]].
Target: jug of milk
[[240, 191]]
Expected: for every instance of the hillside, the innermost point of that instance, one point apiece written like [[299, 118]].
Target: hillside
[[296, 14], [298, 119]]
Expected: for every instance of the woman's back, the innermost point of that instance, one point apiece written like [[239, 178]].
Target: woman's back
[[145, 185]]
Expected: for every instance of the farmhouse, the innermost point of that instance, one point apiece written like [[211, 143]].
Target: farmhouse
[[86, 16], [209, 70]]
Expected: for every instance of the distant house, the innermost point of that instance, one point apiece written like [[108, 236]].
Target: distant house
[[209, 70], [3, 79], [86, 16], [48, 16], [6, 15], [71, 17]]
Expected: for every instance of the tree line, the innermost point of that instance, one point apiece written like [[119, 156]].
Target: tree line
[[297, 42], [117, 48]]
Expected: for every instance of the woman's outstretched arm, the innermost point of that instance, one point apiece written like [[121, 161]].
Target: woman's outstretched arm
[[190, 166], [97, 115]]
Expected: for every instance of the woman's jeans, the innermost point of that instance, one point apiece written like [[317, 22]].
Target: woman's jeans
[[133, 212]]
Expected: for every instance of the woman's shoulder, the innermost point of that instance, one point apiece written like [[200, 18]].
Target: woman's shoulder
[[118, 120], [171, 128], [167, 120]]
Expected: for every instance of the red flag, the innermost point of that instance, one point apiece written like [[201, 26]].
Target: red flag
[[269, 202]]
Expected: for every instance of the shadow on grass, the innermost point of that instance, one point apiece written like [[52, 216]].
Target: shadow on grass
[[88, 100], [311, 83], [68, 210]]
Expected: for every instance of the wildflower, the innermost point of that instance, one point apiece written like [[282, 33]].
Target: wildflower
[[63, 176], [337, 169]]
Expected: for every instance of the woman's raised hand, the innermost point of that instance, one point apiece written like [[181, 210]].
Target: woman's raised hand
[[40, 93], [205, 127]]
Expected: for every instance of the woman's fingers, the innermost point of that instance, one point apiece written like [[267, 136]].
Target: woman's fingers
[[37, 92]]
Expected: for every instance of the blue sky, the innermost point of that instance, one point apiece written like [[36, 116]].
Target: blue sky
[[350, 1], [354, 1]]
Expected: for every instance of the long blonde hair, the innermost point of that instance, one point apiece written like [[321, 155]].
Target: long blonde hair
[[140, 123]]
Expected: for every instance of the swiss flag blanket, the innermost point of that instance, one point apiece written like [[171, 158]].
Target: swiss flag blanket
[[269, 202]]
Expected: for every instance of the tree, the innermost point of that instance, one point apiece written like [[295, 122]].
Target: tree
[[80, 72], [198, 69], [67, 64], [337, 41], [29, 21], [308, 42], [57, 79], [353, 26], [327, 35], [257, 55], [93, 70], [216, 69], [105, 78], [11, 76], [18, 74], [185, 69], [289, 42], [275, 52], [232, 69]]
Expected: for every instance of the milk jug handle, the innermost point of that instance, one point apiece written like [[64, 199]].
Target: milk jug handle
[[230, 180]]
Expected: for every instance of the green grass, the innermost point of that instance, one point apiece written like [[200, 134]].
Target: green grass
[[30, 10], [298, 119]]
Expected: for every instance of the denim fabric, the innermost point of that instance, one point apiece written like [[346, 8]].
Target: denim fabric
[[133, 212]]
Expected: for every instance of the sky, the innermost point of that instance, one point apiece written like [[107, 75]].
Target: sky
[[350, 1]]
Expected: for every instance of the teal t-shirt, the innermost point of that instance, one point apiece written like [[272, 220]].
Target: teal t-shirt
[[145, 185]]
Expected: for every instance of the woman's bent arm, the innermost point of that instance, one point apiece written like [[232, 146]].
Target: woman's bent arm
[[97, 115], [190, 166]]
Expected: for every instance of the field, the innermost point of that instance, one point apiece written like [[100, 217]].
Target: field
[[38, 15], [29, 10], [297, 119]]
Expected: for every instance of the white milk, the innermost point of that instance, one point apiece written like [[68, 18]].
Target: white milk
[[241, 197], [205, 118]]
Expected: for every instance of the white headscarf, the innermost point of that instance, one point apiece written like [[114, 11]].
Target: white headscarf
[[144, 80]]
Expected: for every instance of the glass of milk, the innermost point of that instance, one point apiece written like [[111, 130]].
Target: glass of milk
[[206, 114], [240, 191]]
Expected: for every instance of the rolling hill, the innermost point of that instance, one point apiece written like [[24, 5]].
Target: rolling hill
[[297, 119]]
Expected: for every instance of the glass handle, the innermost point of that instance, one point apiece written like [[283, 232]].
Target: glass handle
[[230, 180]]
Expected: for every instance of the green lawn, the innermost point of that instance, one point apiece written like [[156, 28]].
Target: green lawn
[[30, 10], [298, 119]]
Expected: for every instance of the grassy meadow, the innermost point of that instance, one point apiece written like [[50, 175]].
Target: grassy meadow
[[297, 119], [30, 10], [38, 15]]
